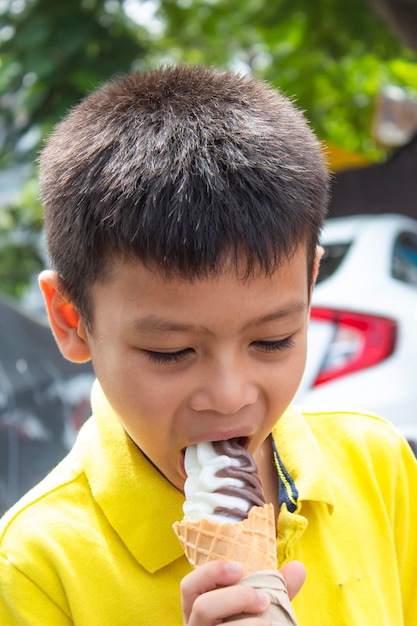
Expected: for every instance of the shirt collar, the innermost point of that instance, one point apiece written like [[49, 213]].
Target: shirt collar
[[139, 503], [302, 470], [120, 477]]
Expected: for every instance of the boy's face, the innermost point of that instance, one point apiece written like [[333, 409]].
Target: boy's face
[[183, 362]]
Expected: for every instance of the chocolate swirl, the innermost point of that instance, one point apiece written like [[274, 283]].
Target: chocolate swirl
[[246, 472]]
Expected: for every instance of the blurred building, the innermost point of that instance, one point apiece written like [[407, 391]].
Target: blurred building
[[389, 187]]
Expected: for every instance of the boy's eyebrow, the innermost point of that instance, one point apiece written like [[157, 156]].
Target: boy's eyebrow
[[293, 307], [154, 323]]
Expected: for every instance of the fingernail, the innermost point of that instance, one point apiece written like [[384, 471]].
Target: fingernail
[[234, 568], [263, 599]]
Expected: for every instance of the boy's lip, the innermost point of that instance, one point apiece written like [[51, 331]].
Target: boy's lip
[[243, 440], [244, 435]]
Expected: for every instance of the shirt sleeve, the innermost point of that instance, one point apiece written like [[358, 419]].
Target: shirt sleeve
[[405, 530], [23, 603]]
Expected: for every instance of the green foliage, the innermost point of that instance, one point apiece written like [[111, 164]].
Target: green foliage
[[58, 52], [332, 57], [21, 254], [51, 54]]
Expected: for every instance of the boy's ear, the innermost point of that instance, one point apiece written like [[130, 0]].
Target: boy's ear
[[68, 328], [319, 254]]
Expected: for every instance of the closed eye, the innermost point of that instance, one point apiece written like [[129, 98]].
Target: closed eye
[[167, 357], [275, 346]]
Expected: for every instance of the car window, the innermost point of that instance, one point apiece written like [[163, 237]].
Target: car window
[[404, 260], [332, 258]]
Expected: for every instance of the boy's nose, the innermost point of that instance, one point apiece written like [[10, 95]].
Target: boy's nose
[[225, 392]]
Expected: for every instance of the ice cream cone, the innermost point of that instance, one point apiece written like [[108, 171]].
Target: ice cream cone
[[251, 542]]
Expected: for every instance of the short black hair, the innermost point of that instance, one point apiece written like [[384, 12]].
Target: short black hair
[[181, 168]]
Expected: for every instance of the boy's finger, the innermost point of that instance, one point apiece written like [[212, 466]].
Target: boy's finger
[[207, 578], [295, 575], [223, 604]]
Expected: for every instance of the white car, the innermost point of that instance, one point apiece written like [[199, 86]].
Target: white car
[[362, 342]]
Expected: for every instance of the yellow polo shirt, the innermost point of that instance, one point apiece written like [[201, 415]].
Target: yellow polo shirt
[[93, 543]]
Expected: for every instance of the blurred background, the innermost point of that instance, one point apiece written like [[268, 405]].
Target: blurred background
[[351, 66]]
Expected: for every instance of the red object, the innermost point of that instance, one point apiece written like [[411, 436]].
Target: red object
[[359, 341]]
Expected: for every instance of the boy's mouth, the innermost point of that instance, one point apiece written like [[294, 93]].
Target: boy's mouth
[[242, 441]]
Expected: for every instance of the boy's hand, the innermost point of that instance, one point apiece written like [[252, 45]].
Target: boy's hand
[[208, 596]]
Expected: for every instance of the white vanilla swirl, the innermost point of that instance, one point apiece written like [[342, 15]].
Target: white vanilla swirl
[[220, 487]]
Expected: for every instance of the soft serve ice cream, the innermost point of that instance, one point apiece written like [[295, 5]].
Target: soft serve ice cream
[[225, 515], [226, 518], [222, 482]]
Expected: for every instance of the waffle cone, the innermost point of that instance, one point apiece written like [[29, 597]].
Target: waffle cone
[[251, 542]]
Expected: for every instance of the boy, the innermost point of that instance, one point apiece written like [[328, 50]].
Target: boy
[[183, 208]]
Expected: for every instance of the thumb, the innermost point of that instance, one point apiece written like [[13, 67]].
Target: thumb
[[294, 574]]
